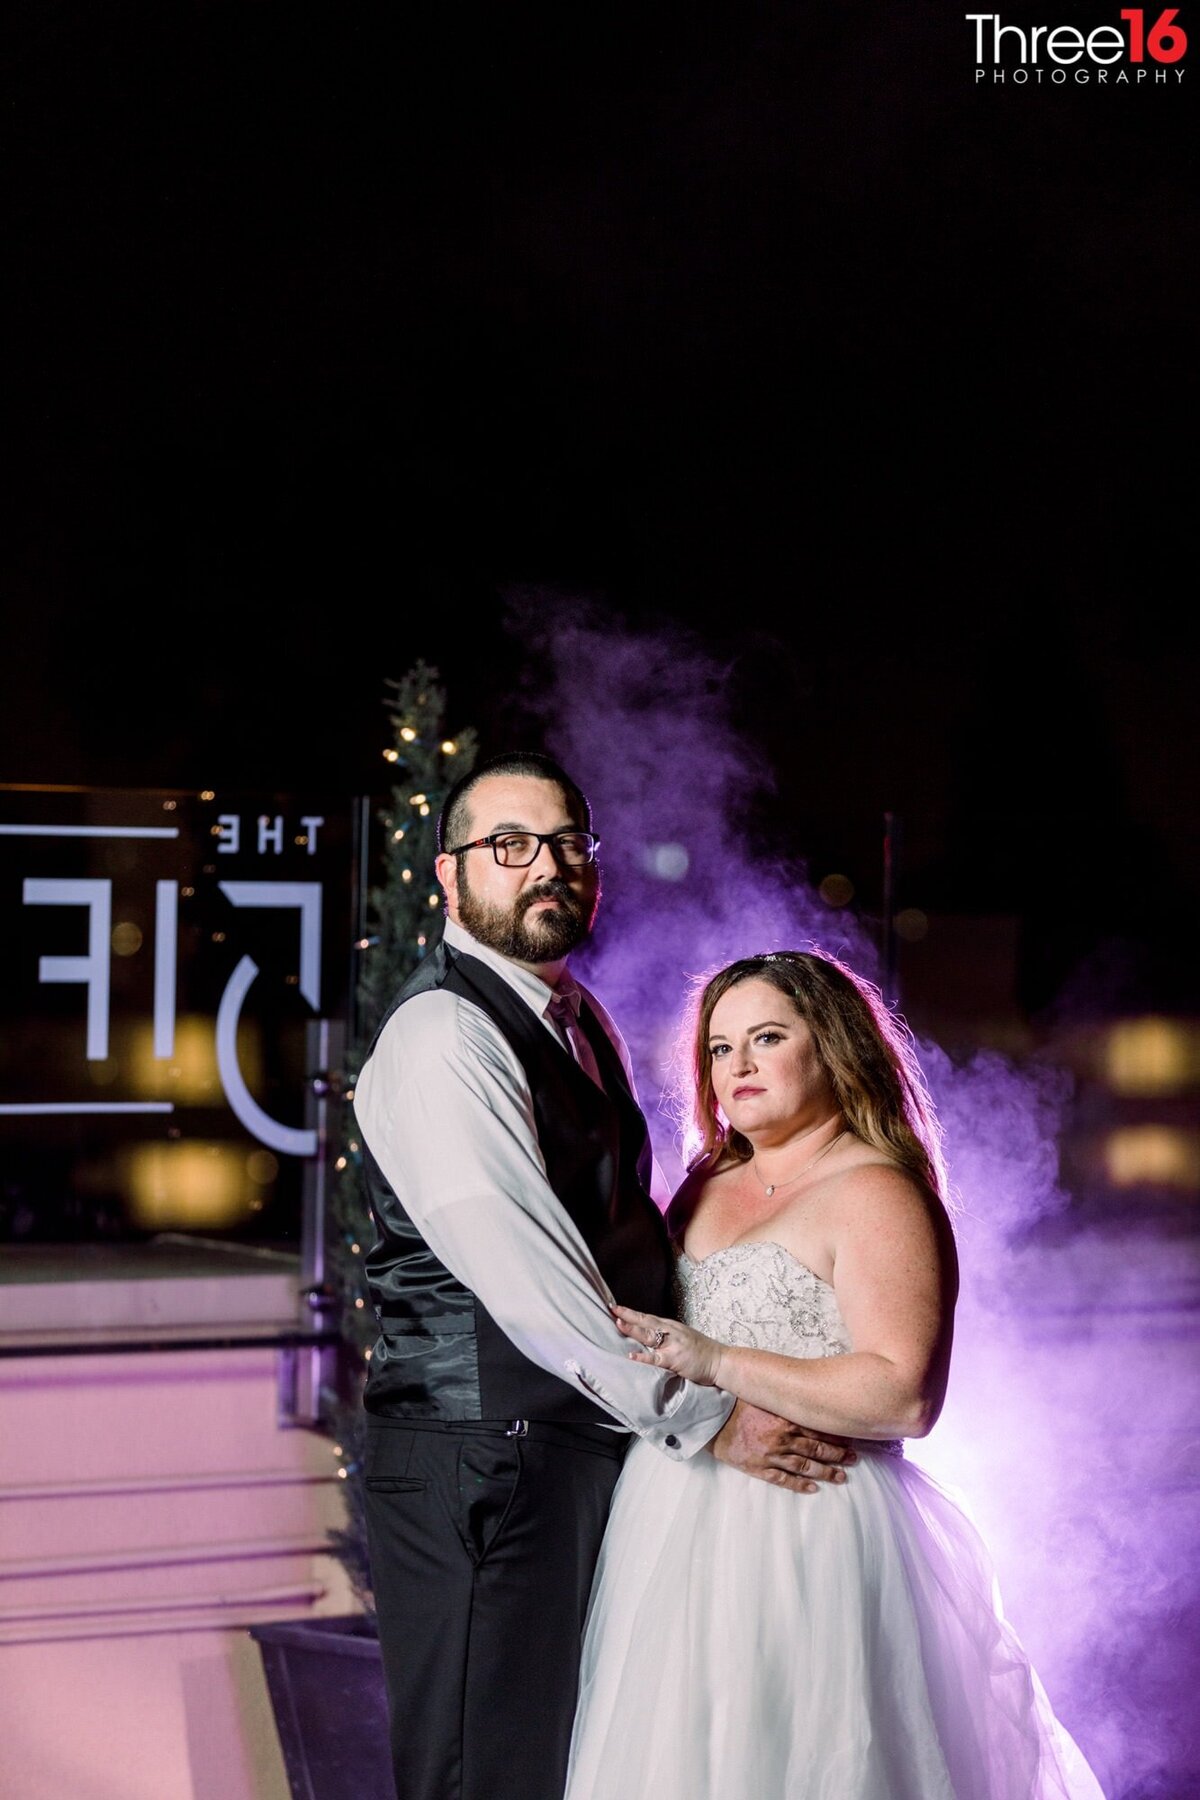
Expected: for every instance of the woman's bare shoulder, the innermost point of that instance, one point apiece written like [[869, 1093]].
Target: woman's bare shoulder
[[871, 1181], [874, 1194]]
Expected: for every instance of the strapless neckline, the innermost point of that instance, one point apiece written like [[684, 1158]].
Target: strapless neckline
[[699, 1262], [758, 1295]]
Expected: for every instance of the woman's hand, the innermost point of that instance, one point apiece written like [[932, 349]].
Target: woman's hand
[[669, 1345]]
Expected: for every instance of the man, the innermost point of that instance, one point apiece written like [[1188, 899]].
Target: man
[[509, 1169]]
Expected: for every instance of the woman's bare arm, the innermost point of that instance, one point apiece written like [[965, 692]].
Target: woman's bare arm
[[895, 1279]]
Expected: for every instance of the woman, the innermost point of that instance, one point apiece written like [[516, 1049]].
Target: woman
[[743, 1642]]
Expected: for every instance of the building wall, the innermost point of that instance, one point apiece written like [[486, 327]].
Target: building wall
[[152, 1507]]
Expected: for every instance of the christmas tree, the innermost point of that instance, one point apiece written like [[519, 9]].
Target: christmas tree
[[404, 916]]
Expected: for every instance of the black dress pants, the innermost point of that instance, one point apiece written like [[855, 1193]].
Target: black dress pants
[[482, 1548]]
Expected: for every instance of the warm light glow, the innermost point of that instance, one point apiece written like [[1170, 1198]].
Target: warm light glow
[[406, 874], [169, 805], [397, 835], [416, 799], [340, 1163], [391, 756], [424, 811], [433, 899], [1157, 1155], [207, 794], [836, 890], [449, 748], [262, 1167], [911, 924], [1152, 1055], [190, 1074], [408, 734], [126, 938], [189, 1185]]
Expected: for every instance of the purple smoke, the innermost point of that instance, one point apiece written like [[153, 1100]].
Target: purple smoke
[[1066, 1431]]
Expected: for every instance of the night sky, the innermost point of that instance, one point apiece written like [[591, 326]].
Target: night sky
[[328, 327]]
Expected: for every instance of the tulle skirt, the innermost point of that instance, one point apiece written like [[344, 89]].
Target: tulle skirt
[[747, 1643]]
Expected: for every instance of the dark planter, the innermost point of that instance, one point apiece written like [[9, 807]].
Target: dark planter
[[325, 1679]]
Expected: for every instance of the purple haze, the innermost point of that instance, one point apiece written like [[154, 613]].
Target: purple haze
[[1069, 1432]]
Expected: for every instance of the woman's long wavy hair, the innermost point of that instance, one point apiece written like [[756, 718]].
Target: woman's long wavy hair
[[865, 1049]]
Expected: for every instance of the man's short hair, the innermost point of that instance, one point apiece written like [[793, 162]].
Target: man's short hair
[[452, 823]]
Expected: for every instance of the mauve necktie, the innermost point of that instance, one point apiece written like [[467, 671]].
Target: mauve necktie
[[563, 1012]]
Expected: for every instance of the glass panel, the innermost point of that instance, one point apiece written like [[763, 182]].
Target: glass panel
[[166, 956]]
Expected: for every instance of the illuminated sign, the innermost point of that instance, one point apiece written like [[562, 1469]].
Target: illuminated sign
[[165, 958]]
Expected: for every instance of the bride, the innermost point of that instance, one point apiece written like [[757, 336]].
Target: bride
[[744, 1644]]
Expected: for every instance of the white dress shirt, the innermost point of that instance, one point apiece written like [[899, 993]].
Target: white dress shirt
[[444, 1105]]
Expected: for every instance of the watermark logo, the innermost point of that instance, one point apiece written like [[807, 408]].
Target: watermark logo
[[1144, 49]]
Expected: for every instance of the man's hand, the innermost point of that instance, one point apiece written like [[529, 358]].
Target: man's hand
[[773, 1449]]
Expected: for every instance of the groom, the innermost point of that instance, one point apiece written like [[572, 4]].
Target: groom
[[509, 1169]]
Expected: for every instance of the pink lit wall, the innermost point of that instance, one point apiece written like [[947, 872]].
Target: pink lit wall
[[151, 1509]]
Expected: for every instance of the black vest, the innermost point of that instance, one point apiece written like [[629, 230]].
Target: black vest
[[440, 1354]]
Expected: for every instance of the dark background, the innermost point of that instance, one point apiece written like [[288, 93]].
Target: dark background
[[326, 326]]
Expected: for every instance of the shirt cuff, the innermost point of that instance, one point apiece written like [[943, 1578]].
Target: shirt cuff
[[690, 1419]]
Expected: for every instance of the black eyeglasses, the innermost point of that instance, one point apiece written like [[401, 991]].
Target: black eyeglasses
[[517, 849]]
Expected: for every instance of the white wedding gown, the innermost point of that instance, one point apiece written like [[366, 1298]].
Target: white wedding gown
[[747, 1643]]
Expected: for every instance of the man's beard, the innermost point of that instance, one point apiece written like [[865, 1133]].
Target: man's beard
[[546, 938]]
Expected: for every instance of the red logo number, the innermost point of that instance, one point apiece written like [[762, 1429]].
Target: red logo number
[[1167, 41]]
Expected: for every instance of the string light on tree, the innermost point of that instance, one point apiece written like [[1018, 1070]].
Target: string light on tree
[[397, 916]]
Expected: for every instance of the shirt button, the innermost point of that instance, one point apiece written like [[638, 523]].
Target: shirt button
[[672, 1442]]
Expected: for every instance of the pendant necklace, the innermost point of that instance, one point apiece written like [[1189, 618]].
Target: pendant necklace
[[769, 1188]]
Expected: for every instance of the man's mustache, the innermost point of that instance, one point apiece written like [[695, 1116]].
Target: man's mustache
[[551, 890]]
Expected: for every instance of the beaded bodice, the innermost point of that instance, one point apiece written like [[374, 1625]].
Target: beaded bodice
[[759, 1296]]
